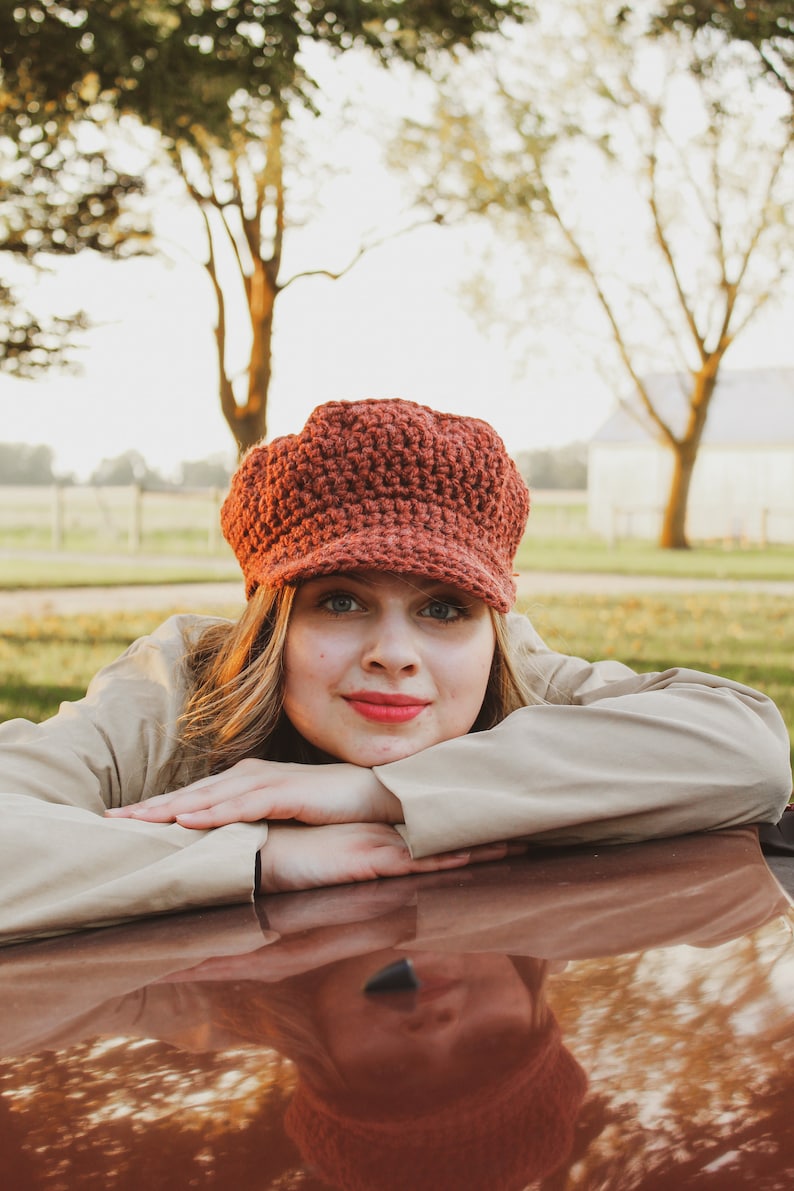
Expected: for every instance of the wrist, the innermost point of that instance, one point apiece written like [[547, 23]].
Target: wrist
[[390, 803], [385, 807], [264, 856]]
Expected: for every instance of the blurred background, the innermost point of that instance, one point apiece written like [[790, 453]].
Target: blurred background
[[573, 219]]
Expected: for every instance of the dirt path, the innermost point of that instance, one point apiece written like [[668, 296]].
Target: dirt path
[[189, 596]]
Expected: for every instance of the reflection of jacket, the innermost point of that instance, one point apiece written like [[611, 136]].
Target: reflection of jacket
[[609, 756], [701, 891]]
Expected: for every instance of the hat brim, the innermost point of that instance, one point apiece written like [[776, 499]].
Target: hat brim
[[434, 557]]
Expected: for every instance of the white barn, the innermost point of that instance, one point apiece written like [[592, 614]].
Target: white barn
[[743, 483]]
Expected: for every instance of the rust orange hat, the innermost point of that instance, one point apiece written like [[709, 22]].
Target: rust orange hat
[[380, 485], [501, 1136]]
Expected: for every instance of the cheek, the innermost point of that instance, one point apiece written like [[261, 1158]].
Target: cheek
[[300, 669], [303, 653], [310, 671], [468, 677]]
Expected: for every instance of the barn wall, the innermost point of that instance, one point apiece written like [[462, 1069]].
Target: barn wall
[[743, 494]]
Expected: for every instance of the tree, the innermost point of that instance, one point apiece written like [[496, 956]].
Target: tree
[[766, 25], [555, 467], [218, 81], [212, 472], [57, 198], [21, 463], [609, 160], [128, 468], [165, 61]]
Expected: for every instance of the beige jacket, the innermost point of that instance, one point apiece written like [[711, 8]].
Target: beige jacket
[[702, 891], [608, 756]]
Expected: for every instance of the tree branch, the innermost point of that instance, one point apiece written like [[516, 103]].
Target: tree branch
[[667, 253], [228, 404], [762, 222], [775, 70], [362, 251], [659, 309], [584, 263]]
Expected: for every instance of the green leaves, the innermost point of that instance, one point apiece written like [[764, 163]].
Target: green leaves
[[173, 64]]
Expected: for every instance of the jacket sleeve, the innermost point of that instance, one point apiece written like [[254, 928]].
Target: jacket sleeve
[[64, 866], [606, 755]]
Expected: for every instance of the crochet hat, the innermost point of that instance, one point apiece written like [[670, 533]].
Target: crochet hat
[[380, 485], [500, 1136]]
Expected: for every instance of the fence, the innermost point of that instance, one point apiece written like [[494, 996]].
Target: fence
[[102, 520], [705, 524], [111, 520]]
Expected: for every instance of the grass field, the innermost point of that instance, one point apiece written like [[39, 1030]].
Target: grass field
[[103, 538], [590, 554], [24, 573], [34, 570], [745, 636]]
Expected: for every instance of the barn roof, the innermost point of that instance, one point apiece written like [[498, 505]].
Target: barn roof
[[754, 407]]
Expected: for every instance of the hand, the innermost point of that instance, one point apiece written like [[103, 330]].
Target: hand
[[308, 857], [253, 790]]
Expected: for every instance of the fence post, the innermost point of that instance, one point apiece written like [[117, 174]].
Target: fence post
[[134, 544], [57, 516], [213, 529]]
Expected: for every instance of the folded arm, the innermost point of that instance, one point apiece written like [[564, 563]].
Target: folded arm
[[639, 757]]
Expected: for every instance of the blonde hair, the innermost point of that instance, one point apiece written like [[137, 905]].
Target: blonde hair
[[235, 671], [507, 689], [235, 708]]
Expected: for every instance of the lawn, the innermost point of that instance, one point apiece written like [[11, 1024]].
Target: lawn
[[64, 569], [176, 537], [61, 570], [715, 561], [748, 637]]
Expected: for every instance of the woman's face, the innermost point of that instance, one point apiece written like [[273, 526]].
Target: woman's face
[[380, 666], [469, 1012]]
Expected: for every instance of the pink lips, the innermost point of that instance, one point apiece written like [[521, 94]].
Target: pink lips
[[385, 709]]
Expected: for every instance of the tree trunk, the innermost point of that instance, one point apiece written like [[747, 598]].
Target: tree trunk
[[250, 422], [685, 451], [673, 535]]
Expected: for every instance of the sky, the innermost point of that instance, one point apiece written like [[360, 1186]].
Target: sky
[[395, 325]]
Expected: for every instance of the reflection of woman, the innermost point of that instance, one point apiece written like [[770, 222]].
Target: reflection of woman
[[374, 681], [462, 1083], [464, 1074]]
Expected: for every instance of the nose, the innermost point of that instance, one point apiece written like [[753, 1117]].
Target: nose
[[391, 646]]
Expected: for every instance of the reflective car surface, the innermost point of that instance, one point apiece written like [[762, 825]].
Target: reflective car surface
[[617, 1018]]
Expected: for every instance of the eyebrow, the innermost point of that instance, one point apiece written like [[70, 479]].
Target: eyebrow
[[430, 586]]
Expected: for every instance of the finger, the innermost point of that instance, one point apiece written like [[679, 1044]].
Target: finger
[[165, 808], [152, 811], [481, 854], [497, 851], [155, 803], [156, 800], [237, 810]]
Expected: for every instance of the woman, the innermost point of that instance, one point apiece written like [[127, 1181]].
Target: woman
[[375, 702]]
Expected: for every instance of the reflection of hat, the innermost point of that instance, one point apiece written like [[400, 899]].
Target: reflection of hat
[[498, 1137], [380, 485]]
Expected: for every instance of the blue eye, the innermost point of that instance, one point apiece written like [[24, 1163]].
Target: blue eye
[[340, 603], [439, 610]]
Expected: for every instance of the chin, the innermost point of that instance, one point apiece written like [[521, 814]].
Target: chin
[[383, 754]]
